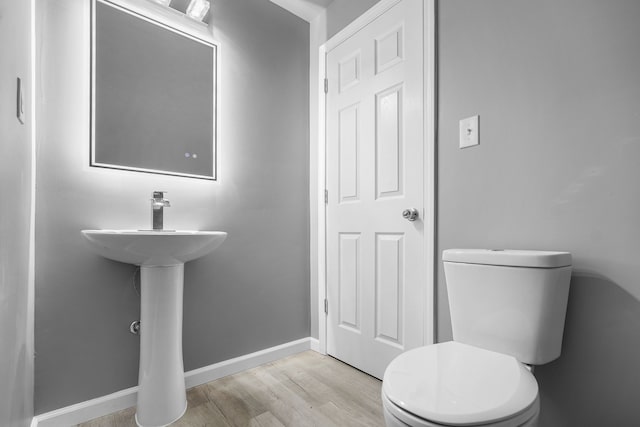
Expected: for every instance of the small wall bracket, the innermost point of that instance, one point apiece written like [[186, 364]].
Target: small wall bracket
[[134, 327]]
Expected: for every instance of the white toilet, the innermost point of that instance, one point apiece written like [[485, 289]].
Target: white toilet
[[507, 312]]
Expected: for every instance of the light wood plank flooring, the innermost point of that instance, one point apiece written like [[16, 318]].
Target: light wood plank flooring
[[307, 389]]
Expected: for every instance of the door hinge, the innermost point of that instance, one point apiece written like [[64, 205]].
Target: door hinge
[[326, 85], [326, 197], [326, 306]]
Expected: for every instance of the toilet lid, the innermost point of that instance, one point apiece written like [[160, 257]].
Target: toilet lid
[[458, 384]]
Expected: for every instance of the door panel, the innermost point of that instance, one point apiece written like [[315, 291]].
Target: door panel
[[389, 287], [375, 142], [348, 282]]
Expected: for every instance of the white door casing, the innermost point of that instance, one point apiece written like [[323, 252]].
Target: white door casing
[[377, 263]]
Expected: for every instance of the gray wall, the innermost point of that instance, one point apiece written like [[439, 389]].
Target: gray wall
[[251, 293], [16, 312], [340, 13], [556, 86]]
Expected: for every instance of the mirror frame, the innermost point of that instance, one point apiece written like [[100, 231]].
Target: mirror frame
[[171, 20]]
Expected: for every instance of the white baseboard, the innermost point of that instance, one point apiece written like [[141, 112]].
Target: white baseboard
[[94, 408], [85, 411], [238, 364], [315, 344]]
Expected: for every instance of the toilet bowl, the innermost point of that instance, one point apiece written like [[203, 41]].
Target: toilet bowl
[[454, 384], [507, 312]]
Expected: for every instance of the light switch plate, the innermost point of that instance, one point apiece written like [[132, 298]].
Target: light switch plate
[[469, 131]]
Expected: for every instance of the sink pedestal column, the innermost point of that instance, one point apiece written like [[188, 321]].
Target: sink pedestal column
[[162, 395]]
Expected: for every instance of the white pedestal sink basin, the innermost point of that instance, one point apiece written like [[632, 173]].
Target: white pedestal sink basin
[[161, 256]]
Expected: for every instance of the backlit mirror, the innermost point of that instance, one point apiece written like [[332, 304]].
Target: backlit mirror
[[153, 93]]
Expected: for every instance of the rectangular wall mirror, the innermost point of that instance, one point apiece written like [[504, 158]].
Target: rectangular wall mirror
[[154, 104]]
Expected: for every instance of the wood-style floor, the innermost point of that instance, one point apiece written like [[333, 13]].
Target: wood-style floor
[[307, 389]]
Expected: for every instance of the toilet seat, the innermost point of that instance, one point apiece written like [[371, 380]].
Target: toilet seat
[[456, 384], [396, 417]]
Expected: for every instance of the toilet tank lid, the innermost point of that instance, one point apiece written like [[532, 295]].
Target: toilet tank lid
[[508, 257]]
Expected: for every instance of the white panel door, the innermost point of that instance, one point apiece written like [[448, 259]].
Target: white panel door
[[375, 140]]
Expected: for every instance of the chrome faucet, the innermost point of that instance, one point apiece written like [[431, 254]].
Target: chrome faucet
[[158, 203]]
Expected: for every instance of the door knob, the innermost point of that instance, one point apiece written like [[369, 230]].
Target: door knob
[[410, 214]]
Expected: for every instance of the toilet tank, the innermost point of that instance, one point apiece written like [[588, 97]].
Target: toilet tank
[[509, 301]]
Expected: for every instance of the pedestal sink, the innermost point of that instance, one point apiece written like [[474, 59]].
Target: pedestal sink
[[161, 256]]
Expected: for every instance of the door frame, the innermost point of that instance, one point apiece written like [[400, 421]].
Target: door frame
[[429, 177]]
